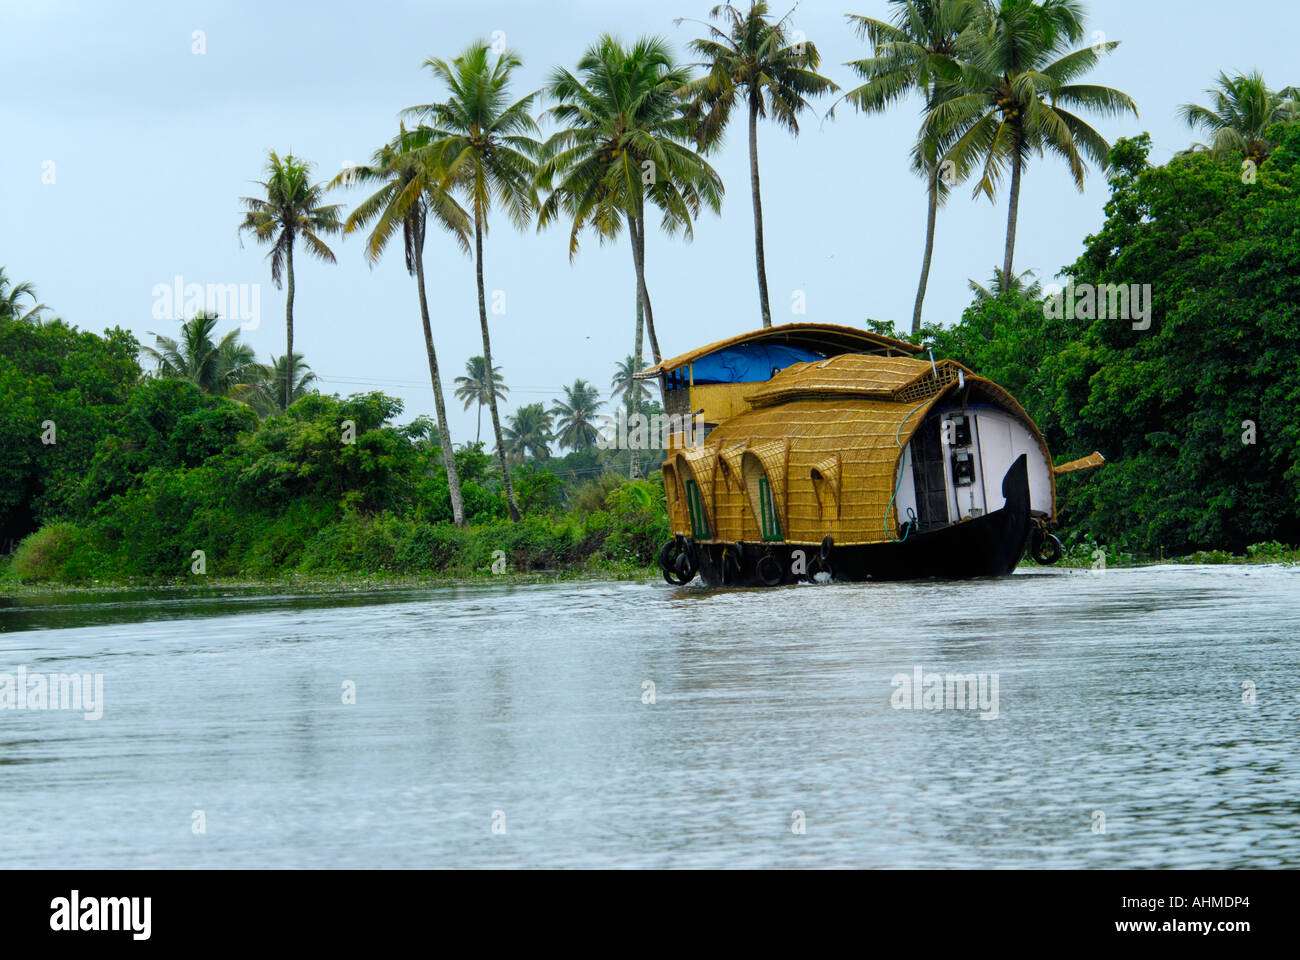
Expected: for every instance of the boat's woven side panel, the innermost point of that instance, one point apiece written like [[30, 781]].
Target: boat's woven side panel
[[771, 457], [674, 494], [700, 463], [719, 401], [731, 508], [861, 432], [825, 475]]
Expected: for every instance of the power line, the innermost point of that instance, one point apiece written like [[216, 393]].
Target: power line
[[423, 385]]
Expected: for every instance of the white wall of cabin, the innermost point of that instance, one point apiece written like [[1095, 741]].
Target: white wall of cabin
[[998, 438]]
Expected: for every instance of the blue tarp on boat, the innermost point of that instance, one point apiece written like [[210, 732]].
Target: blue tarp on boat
[[748, 362]]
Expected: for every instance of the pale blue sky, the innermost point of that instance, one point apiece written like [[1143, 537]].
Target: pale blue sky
[[153, 145]]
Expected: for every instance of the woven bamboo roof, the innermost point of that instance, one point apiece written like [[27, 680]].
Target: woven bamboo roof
[[826, 337], [854, 374]]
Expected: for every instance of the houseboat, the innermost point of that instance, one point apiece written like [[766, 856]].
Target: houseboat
[[815, 450]]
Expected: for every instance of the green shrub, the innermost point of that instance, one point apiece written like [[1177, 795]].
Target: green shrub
[[44, 554], [432, 547], [639, 521], [589, 496], [1272, 552], [534, 543], [1210, 557]]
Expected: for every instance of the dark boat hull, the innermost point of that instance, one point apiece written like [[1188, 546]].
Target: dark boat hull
[[987, 546]]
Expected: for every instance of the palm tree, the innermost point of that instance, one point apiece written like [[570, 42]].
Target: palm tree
[[574, 415], [473, 388], [529, 432], [215, 367], [266, 393], [1017, 70], [624, 385], [291, 209], [624, 141], [485, 145], [751, 59], [410, 190], [11, 295], [1022, 285], [914, 52], [634, 393], [1244, 108]]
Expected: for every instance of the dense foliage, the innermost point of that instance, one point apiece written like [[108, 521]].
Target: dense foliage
[[1196, 413], [146, 471], [76, 383]]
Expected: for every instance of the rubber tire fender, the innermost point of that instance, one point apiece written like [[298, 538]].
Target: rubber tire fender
[[685, 568], [669, 561], [1045, 548], [773, 573], [662, 559]]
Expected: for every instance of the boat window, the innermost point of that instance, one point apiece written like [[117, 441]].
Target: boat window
[[770, 523], [699, 522]]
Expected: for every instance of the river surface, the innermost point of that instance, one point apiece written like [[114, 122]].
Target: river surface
[[1141, 718]]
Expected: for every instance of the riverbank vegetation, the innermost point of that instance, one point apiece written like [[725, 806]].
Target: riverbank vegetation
[[188, 458], [1194, 404], [177, 483]]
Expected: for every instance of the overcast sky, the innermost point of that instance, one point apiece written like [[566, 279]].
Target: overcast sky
[[150, 145]]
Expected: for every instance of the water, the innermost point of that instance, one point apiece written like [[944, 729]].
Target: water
[[1119, 693]]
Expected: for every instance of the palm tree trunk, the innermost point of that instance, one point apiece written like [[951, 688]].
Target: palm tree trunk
[[929, 248], [638, 260], [478, 431], [759, 260], [640, 329], [487, 364], [1013, 212], [444, 432], [288, 327], [633, 400]]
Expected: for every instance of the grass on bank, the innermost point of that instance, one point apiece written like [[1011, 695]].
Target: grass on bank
[[615, 536], [538, 551], [1086, 553]]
